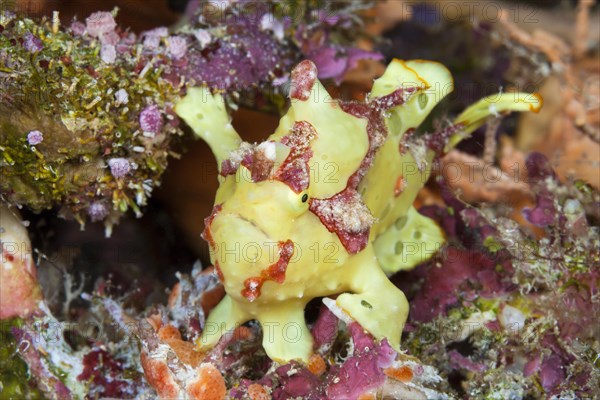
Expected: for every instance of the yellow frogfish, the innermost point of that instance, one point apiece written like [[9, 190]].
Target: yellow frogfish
[[323, 207]]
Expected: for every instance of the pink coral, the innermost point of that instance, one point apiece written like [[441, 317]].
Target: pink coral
[[460, 270], [119, 167], [32, 43], [98, 211], [103, 372], [151, 119], [203, 37], [324, 329], [152, 37], [269, 22], [177, 47], [35, 137], [364, 369], [99, 23], [121, 96], [108, 53], [111, 38], [552, 372], [78, 28]]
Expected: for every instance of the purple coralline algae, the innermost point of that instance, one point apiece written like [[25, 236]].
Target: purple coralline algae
[[98, 211], [35, 137], [100, 23], [151, 119], [119, 167], [32, 43]]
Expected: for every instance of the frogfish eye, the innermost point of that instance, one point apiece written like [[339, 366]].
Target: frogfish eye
[[298, 202]]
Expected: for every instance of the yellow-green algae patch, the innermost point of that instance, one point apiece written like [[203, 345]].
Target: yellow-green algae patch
[[63, 89]]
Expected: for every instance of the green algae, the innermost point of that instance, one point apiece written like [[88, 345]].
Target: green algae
[[15, 382], [67, 92]]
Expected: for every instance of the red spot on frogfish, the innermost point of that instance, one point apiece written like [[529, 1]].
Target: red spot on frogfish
[[396, 98], [275, 272], [303, 79], [399, 186], [295, 171], [207, 234], [345, 214], [376, 131]]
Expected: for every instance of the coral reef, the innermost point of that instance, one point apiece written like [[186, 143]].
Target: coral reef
[[515, 318], [74, 118]]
